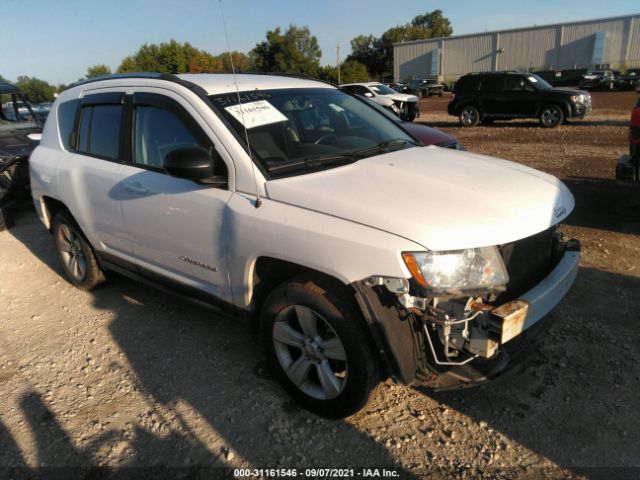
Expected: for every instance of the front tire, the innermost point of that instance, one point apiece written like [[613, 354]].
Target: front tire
[[551, 116], [469, 116], [318, 347], [76, 256]]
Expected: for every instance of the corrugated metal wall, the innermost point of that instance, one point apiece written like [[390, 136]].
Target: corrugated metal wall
[[547, 47], [633, 51], [532, 48], [461, 55]]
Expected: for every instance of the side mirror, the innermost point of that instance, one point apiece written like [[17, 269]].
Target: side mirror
[[368, 94], [194, 163]]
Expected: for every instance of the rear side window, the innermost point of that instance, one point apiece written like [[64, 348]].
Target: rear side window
[[99, 132], [465, 84], [492, 84], [66, 118]]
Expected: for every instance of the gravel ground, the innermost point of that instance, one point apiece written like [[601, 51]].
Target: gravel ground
[[128, 377]]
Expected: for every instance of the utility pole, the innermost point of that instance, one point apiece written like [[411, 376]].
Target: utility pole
[[338, 61]]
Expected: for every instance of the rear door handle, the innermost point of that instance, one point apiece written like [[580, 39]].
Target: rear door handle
[[135, 187]]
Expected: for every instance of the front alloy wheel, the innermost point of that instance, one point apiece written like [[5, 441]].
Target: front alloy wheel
[[318, 346], [310, 352], [551, 116]]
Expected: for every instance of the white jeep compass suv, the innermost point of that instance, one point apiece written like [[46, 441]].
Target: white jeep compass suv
[[361, 254]]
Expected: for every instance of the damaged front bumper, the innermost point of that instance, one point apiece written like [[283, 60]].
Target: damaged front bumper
[[411, 341]]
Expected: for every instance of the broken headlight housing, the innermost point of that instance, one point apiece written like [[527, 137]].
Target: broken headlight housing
[[450, 272]]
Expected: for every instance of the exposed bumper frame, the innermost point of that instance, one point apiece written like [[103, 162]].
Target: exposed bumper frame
[[398, 337]]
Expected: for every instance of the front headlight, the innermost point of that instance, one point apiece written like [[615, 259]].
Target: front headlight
[[470, 269], [578, 98]]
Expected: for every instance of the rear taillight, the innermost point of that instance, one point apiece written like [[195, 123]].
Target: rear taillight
[[634, 126]]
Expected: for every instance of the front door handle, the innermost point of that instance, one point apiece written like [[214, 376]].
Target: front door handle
[[135, 187]]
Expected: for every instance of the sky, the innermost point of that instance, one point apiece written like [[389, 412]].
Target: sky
[[56, 40]]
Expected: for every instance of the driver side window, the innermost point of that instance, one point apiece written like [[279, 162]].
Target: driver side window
[[157, 132]]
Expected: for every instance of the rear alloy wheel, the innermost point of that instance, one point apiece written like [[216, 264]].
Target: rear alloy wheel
[[469, 116], [78, 261], [318, 348], [551, 116]]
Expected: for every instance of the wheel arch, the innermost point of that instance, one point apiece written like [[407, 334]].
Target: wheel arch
[[564, 106], [471, 103], [50, 207], [267, 272]]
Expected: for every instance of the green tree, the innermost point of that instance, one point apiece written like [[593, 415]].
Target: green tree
[[436, 24], [377, 53], [97, 71], [294, 51], [241, 61], [352, 71], [36, 90], [170, 57]]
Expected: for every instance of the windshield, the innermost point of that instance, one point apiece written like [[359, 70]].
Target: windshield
[[381, 89], [631, 73], [300, 130], [539, 82]]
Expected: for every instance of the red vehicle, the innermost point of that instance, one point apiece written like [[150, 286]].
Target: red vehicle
[[628, 167], [426, 135]]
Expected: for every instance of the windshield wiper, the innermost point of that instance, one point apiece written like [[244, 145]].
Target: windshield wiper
[[340, 158], [315, 161], [386, 146]]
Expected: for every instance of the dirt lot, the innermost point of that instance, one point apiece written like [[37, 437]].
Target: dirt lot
[[129, 377]]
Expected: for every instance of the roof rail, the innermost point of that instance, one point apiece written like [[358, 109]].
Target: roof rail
[[303, 76], [114, 76]]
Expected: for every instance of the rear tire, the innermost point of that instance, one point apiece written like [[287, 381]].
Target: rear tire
[[318, 347], [76, 256], [469, 116]]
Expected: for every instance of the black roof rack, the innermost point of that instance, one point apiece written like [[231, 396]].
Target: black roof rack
[[116, 76], [169, 77]]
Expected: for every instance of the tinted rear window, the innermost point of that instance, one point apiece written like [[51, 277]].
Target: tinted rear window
[[100, 130], [492, 84], [465, 84], [66, 118]]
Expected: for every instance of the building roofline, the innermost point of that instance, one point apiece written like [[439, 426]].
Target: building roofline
[[519, 29]]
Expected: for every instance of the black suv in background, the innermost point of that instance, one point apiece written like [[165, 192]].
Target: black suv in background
[[484, 97]]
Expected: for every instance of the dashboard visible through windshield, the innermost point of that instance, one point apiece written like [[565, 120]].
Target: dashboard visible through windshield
[[301, 130]]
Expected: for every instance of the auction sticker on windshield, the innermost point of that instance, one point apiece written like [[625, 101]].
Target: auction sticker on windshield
[[256, 114]]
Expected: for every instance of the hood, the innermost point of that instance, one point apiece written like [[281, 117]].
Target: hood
[[568, 90], [440, 198], [402, 97]]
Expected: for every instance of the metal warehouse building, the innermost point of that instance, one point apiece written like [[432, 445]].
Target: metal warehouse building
[[607, 42]]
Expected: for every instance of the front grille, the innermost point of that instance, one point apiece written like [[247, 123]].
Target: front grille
[[528, 261]]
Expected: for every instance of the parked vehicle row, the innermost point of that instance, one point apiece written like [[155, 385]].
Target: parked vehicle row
[[361, 253], [403, 105], [611, 79]]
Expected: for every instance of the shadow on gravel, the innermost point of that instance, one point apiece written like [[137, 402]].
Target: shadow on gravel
[[574, 399], [602, 203], [181, 353]]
